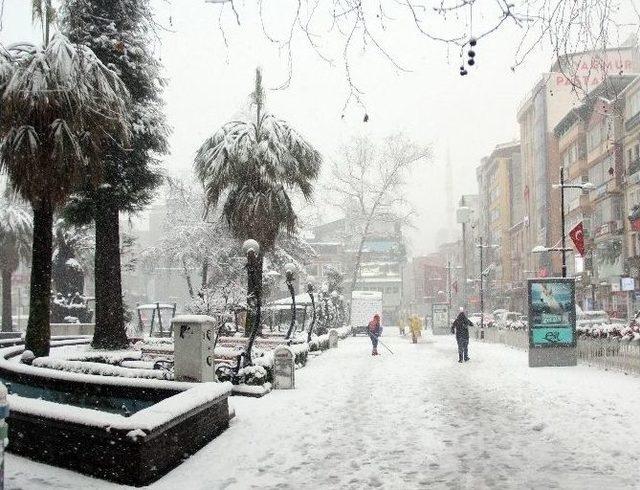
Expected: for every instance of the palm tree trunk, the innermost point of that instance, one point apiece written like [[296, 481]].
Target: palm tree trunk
[[38, 327], [110, 332], [7, 325]]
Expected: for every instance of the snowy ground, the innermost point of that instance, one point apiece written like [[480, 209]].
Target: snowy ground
[[414, 419]]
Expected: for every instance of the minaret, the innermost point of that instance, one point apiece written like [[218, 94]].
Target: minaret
[[449, 196]]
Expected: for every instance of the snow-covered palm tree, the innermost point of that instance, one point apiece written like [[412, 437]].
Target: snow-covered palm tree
[[15, 246], [59, 105], [250, 167]]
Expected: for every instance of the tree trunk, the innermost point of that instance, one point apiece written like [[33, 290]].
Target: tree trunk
[[204, 274], [187, 276], [38, 327], [110, 332], [356, 267], [7, 324]]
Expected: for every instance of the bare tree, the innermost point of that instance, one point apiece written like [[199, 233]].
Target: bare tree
[[368, 183], [340, 30]]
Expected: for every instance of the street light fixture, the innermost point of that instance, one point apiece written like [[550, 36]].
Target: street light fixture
[[585, 186]]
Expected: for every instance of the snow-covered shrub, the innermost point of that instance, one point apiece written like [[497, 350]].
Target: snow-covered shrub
[[253, 375], [319, 343], [27, 357]]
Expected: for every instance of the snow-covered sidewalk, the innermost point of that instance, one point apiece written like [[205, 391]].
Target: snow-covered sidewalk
[[412, 419]]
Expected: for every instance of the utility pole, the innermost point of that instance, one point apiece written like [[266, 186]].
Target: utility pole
[[464, 265], [449, 291], [564, 245], [481, 294]]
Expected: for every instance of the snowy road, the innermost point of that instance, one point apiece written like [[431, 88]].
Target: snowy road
[[415, 419]]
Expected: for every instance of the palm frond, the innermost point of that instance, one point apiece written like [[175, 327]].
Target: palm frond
[[16, 231], [56, 99]]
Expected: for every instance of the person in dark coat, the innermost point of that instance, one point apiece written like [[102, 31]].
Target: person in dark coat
[[375, 330], [461, 328]]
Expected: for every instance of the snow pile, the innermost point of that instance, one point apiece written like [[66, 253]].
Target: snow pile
[[319, 343], [101, 369], [617, 331], [79, 377], [253, 375]]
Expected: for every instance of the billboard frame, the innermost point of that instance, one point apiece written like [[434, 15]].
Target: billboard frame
[[553, 353]]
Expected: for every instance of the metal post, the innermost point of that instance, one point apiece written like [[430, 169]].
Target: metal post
[[4, 429], [481, 294], [292, 292], [464, 265], [313, 318], [564, 246], [449, 286]]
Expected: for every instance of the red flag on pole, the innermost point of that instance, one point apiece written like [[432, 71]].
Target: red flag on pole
[[577, 236], [454, 286]]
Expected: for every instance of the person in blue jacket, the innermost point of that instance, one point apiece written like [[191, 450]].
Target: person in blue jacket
[[375, 330]]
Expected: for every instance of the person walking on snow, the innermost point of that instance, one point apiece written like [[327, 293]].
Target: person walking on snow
[[414, 326], [375, 330], [461, 328]]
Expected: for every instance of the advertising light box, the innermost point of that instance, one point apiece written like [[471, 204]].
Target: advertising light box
[[552, 313]]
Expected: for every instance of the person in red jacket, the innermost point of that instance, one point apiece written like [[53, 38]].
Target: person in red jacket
[[375, 330]]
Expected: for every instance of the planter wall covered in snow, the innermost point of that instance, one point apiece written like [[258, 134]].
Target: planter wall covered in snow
[[134, 450]]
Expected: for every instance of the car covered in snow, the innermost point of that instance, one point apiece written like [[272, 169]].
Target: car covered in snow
[[477, 317], [512, 320]]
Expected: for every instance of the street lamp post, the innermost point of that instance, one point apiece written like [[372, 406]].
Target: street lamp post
[[463, 217], [481, 294], [251, 248], [449, 267], [334, 303], [482, 246], [289, 270], [585, 187], [310, 283]]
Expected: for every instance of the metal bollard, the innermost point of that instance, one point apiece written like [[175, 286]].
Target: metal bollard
[[4, 413]]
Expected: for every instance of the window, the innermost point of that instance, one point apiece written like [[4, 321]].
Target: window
[[599, 173], [571, 155], [594, 137], [606, 211], [632, 105], [572, 197]]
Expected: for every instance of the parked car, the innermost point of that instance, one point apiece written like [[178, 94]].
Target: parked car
[[510, 319], [476, 318], [595, 317]]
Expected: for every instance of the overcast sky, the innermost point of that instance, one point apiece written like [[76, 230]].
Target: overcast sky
[[208, 82]]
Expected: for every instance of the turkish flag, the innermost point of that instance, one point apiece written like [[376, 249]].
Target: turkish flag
[[577, 235], [454, 286]]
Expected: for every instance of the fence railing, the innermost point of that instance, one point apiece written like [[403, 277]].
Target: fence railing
[[618, 355]]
